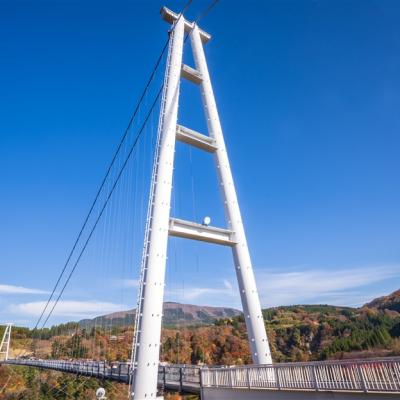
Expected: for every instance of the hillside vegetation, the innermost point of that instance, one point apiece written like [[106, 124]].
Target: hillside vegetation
[[296, 333]]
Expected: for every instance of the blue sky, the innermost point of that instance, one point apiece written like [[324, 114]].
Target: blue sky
[[309, 99]]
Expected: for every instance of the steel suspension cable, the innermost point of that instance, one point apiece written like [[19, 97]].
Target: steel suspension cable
[[104, 205], [124, 136], [207, 10], [137, 108], [94, 202]]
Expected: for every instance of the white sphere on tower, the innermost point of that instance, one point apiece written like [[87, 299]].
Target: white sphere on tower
[[206, 221]]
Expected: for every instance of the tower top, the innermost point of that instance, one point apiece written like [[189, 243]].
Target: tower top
[[170, 17]]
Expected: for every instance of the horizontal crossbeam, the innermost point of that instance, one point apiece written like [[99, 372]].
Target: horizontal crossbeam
[[170, 17], [195, 231], [191, 74], [196, 139]]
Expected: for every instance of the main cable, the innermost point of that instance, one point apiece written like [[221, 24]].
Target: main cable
[[131, 120], [206, 11], [124, 136], [105, 203]]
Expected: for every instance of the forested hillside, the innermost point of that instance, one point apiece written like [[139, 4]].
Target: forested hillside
[[296, 333]]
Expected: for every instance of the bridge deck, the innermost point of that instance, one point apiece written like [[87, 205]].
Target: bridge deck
[[362, 376], [178, 377]]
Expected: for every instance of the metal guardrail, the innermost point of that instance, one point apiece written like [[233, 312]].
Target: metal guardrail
[[185, 378], [377, 375], [116, 370]]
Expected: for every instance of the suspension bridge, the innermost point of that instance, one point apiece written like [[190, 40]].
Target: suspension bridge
[[351, 379], [144, 375]]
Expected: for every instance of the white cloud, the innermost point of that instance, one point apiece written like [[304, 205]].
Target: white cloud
[[129, 283], [223, 295], [349, 287], [345, 287], [66, 308], [333, 286], [11, 289]]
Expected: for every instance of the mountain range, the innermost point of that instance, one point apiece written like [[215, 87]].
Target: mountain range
[[174, 314], [218, 335], [183, 315]]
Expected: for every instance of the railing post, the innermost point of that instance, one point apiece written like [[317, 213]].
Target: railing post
[[164, 376], [201, 383], [363, 383], [277, 378], [230, 378], [248, 378], [180, 379], [314, 376]]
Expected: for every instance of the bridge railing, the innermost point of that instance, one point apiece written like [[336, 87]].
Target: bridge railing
[[181, 375], [114, 370], [379, 375]]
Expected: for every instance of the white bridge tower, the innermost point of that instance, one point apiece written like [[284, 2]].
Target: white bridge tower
[[5, 343], [160, 224]]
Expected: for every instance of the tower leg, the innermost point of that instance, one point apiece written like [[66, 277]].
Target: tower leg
[[5, 342], [147, 348], [259, 346]]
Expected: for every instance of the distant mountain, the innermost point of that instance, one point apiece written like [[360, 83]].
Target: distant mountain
[[182, 315], [390, 302], [219, 335], [175, 315]]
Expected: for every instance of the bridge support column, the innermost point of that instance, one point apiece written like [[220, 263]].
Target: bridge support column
[[244, 271], [147, 343], [160, 225]]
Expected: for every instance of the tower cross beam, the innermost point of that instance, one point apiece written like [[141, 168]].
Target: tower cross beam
[[195, 231], [171, 17]]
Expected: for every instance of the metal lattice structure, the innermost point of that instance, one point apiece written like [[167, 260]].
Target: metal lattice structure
[[160, 225], [5, 343]]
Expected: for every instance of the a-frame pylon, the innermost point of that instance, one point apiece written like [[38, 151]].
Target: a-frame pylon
[[160, 224], [5, 343]]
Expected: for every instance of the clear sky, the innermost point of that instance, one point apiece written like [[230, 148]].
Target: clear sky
[[309, 99]]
